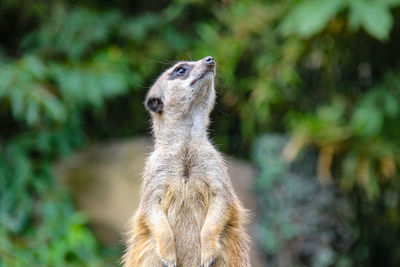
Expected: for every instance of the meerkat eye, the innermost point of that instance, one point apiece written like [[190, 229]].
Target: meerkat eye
[[180, 71]]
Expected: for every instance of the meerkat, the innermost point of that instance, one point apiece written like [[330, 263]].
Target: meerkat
[[189, 214]]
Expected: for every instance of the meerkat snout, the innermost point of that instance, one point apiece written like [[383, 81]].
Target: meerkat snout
[[209, 60], [208, 67]]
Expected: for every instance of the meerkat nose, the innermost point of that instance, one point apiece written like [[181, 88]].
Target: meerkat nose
[[209, 60]]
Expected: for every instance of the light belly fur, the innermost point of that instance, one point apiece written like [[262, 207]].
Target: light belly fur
[[186, 211]]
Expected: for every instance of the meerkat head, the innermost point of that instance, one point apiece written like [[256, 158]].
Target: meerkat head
[[184, 91]]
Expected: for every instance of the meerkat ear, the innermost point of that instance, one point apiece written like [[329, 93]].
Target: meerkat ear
[[155, 104]]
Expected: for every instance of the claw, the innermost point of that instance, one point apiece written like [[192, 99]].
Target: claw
[[166, 263], [210, 264]]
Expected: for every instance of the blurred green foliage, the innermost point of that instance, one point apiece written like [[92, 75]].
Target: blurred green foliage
[[303, 223], [326, 72]]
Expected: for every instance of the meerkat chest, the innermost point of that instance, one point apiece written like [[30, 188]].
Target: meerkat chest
[[192, 170], [189, 173], [188, 190]]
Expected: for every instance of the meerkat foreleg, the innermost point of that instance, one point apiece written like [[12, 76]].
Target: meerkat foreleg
[[215, 221], [159, 226]]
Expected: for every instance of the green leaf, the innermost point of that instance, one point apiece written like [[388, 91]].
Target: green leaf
[[32, 113], [373, 16], [310, 17], [391, 105], [367, 120], [392, 3]]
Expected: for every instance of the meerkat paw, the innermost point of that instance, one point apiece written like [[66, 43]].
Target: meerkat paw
[[170, 260], [167, 252], [209, 253], [169, 263], [208, 262]]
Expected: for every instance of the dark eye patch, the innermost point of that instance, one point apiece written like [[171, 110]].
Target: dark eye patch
[[180, 71]]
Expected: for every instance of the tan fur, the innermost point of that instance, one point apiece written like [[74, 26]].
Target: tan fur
[[189, 214]]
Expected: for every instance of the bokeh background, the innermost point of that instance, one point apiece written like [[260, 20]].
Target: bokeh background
[[308, 97]]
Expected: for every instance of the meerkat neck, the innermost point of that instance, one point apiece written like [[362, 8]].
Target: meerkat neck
[[187, 129]]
